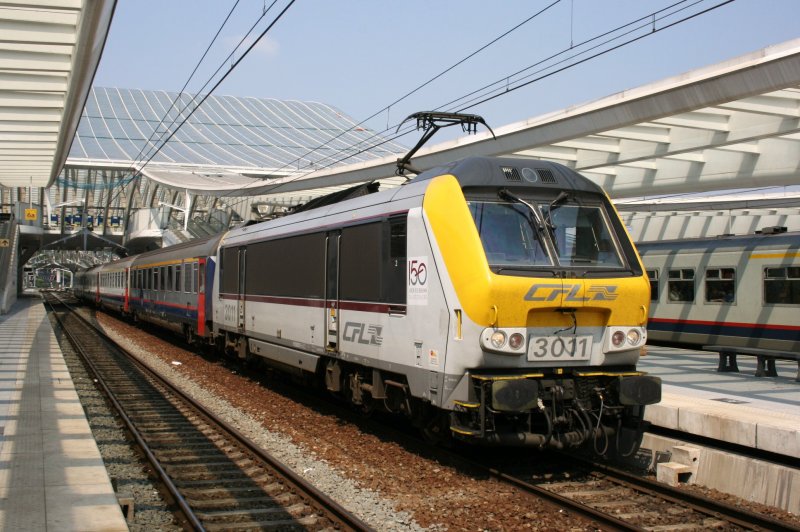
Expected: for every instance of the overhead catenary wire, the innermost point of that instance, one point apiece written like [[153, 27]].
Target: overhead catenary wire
[[411, 127], [276, 186], [193, 98], [186, 84], [224, 76], [423, 85]]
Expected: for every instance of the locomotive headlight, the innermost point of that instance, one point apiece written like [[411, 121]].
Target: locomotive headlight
[[515, 341], [618, 338], [621, 338], [498, 339], [505, 341]]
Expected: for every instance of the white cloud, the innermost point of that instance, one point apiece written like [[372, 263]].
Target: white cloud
[[266, 46]]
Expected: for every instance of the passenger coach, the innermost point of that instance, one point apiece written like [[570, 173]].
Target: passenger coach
[[738, 291]]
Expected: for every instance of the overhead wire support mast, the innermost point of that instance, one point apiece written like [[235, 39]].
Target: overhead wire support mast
[[431, 122]]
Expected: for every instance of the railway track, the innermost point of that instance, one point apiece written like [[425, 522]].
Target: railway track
[[619, 500], [611, 498], [216, 478]]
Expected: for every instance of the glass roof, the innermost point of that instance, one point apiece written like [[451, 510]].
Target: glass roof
[[125, 125]]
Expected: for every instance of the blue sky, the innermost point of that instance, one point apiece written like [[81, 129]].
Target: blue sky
[[360, 56]]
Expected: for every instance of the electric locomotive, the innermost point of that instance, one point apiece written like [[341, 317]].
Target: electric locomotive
[[498, 301]]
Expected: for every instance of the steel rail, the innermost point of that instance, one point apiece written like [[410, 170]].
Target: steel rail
[[333, 510], [188, 513], [697, 502]]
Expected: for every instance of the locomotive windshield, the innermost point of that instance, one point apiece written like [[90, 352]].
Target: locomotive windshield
[[583, 237], [576, 236], [508, 235]]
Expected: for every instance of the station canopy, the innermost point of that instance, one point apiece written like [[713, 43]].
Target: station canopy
[[49, 51]]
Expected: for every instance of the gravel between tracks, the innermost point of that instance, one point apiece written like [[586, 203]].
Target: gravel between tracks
[[389, 487]]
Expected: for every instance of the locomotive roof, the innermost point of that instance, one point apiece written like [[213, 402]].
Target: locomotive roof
[[511, 172], [472, 172], [722, 242]]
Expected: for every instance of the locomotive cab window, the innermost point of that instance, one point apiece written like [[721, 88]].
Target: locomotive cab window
[[720, 285], [680, 285], [653, 276], [534, 234], [583, 236], [508, 236], [782, 285]]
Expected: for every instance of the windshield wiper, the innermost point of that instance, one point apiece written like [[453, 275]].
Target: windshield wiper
[[536, 269], [555, 204], [540, 224]]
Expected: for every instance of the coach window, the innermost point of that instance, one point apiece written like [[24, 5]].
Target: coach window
[[720, 285], [156, 278], [653, 276], [680, 285], [782, 285]]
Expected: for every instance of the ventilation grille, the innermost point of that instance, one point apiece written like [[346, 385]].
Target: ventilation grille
[[546, 176], [511, 173]]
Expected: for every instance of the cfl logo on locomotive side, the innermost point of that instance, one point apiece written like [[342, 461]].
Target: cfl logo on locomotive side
[[362, 333], [549, 292]]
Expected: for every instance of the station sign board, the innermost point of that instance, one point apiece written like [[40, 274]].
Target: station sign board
[[31, 214]]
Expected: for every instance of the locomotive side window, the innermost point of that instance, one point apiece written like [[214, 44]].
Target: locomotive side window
[[720, 285], [782, 285], [680, 285], [288, 267], [373, 262], [229, 271], [653, 276]]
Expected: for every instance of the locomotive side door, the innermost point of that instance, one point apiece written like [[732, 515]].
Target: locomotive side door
[[331, 309], [240, 299]]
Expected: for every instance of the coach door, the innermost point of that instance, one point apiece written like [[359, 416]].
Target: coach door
[[332, 290], [241, 290]]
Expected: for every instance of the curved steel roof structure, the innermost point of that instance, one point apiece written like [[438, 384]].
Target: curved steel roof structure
[[256, 138]]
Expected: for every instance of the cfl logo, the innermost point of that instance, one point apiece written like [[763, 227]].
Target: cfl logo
[[603, 293], [362, 333], [550, 292]]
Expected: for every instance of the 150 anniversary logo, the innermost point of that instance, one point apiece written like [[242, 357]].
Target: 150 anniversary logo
[[417, 281]]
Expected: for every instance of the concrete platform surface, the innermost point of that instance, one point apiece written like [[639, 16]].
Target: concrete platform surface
[[52, 476], [758, 412]]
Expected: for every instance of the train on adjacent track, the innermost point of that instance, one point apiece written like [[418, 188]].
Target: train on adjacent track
[[736, 291], [496, 301]]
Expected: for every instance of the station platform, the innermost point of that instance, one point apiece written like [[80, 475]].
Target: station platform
[[756, 412], [52, 476]]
